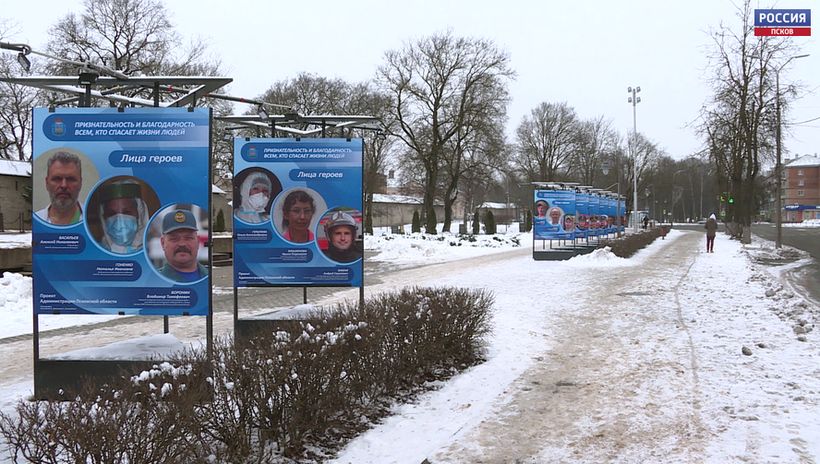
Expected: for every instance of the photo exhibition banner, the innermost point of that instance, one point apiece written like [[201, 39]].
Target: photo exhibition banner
[[120, 201], [594, 208], [297, 212], [582, 216], [554, 217]]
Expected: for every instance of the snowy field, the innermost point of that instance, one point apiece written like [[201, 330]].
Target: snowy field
[[673, 355]]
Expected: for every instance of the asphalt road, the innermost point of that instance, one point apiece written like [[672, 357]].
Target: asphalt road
[[806, 239]]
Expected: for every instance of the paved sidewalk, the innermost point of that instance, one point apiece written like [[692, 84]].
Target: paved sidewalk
[[644, 370], [635, 362]]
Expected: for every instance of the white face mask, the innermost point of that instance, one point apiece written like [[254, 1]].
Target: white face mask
[[258, 201]]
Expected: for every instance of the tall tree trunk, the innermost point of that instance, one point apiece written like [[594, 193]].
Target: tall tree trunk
[[368, 213], [428, 206]]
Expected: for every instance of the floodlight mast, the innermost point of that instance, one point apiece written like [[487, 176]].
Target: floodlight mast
[[22, 50]]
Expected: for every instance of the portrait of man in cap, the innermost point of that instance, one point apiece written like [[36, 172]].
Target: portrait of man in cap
[[541, 208], [180, 245]]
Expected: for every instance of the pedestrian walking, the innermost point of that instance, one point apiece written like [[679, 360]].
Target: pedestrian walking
[[711, 231]]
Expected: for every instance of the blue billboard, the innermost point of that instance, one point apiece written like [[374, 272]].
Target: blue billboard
[[555, 217], [121, 211], [298, 212], [594, 208], [582, 216], [610, 215]]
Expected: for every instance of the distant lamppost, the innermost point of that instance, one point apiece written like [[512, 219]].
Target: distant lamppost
[[681, 196], [605, 170], [648, 209], [703, 173], [634, 99], [778, 166]]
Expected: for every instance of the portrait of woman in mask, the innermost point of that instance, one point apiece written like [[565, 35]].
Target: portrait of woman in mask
[[254, 197], [123, 215]]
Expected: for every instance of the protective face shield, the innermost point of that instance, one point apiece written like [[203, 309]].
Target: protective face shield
[[257, 202], [123, 216], [121, 228]]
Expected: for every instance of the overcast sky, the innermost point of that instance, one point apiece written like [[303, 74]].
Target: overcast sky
[[584, 53]]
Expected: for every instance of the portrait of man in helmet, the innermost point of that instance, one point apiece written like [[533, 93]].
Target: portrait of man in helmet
[[343, 236]]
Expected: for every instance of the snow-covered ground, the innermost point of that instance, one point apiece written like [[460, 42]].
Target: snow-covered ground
[[16, 309], [15, 240], [673, 355], [417, 249], [805, 224]]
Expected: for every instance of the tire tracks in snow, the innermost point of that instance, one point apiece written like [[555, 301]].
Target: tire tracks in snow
[[697, 422]]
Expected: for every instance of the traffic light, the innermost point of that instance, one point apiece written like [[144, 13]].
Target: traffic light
[[731, 200]]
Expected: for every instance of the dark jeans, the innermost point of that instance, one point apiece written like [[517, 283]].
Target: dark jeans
[[710, 243]]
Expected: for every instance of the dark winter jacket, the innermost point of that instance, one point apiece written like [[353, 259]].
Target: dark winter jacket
[[711, 227], [343, 256]]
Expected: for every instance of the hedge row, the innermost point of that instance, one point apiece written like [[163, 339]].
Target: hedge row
[[295, 393], [629, 244]]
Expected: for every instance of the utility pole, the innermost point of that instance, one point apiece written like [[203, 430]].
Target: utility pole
[[634, 99]]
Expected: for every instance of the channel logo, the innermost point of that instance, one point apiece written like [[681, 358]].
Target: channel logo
[[769, 23]]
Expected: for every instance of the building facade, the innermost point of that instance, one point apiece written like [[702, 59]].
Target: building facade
[[397, 210], [15, 195], [801, 189]]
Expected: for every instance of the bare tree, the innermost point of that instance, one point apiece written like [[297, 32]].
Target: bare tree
[[16, 102], [646, 154], [363, 99], [311, 94], [435, 83], [477, 146], [738, 121], [547, 139], [132, 36], [474, 154], [596, 140]]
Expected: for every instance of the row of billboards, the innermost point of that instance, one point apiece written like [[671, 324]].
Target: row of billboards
[[122, 216], [570, 213]]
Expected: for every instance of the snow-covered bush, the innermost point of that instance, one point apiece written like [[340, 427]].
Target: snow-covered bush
[[296, 392], [628, 245]]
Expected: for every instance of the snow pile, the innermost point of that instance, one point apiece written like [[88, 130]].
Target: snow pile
[[16, 309], [297, 312], [600, 257], [764, 251], [142, 348], [424, 248], [15, 240], [806, 223], [15, 303], [782, 293]]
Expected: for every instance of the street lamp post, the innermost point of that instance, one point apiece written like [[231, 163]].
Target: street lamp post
[[648, 205], [778, 166], [634, 99], [605, 170], [675, 197]]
